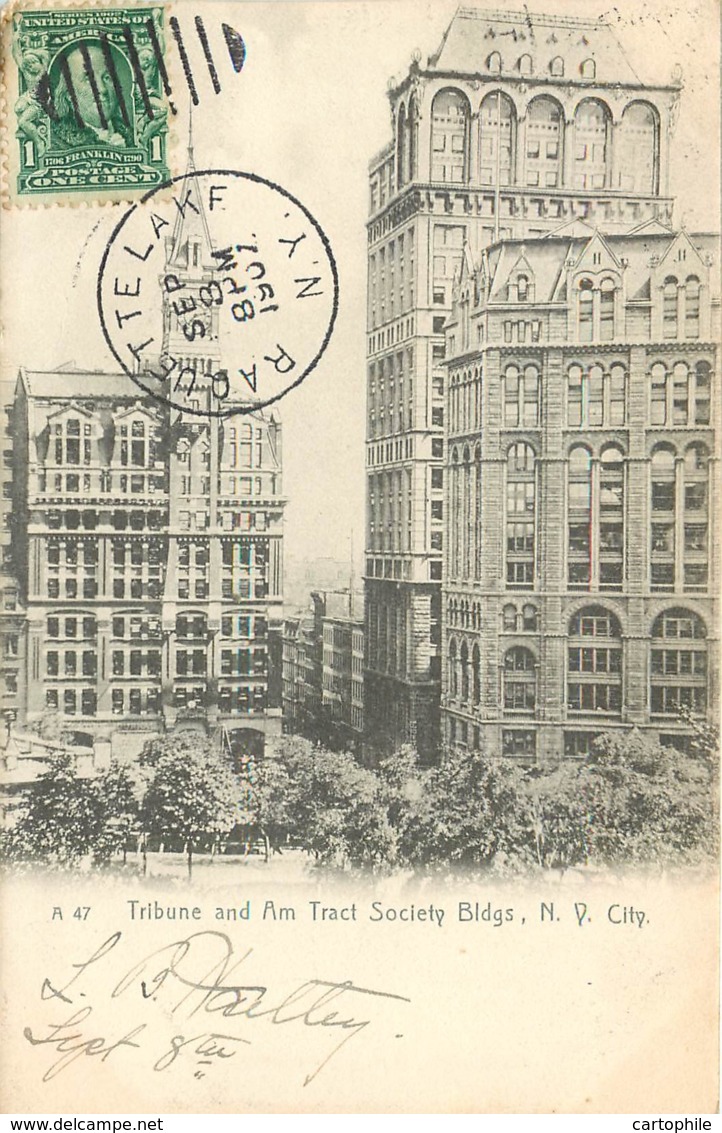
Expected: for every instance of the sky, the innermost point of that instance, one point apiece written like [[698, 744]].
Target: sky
[[308, 110]]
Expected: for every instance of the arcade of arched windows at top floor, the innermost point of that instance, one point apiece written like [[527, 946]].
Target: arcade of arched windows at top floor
[[505, 139]]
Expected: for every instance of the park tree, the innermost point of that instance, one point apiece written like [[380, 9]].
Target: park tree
[[333, 806], [63, 819], [120, 789], [464, 812], [631, 801], [192, 793]]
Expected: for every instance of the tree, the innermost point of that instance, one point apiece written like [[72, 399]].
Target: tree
[[63, 820], [119, 790], [192, 792], [333, 806], [631, 801], [466, 811]]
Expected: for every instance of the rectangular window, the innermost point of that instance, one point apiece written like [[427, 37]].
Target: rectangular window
[[663, 496]]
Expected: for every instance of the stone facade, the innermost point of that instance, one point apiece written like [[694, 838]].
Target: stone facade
[[581, 572], [515, 126], [146, 548]]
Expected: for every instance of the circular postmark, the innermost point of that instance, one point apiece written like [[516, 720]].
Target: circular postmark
[[220, 295]]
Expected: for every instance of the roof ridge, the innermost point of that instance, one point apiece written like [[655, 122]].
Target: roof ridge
[[509, 16]]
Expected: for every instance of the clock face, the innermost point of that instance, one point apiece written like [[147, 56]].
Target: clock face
[[267, 301]]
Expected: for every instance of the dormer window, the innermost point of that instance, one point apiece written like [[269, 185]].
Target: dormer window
[[556, 67], [588, 69], [522, 288], [68, 447], [493, 63]]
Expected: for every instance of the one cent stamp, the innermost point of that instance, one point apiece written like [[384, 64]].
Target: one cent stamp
[[218, 293], [88, 110]]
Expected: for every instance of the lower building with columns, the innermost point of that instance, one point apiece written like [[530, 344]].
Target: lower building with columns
[[581, 565], [147, 554]]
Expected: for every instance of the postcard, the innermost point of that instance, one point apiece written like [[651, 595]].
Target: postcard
[[360, 572]]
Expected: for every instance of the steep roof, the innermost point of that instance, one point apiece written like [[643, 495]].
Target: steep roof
[[79, 383], [548, 256], [474, 34]]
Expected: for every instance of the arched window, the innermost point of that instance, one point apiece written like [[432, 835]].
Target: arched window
[[493, 63], [670, 322], [508, 619], [522, 288], [678, 664], [475, 675], [594, 662], [606, 310], [464, 665], [586, 310], [592, 127], [588, 69], [449, 136], [611, 519], [519, 680], [556, 67], [544, 143], [691, 307], [637, 142], [413, 127], [680, 397], [579, 513], [477, 512], [680, 394], [664, 519], [525, 65], [702, 380], [520, 516], [453, 669], [696, 517], [455, 474], [497, 140], [401, 148], [521, 396], [658, 400]]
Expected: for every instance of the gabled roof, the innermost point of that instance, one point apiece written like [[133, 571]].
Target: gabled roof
[[78, 384], [599, 245], [474, 34], [640, 254]]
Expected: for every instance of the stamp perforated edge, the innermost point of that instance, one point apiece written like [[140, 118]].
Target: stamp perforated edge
[[9, 198]]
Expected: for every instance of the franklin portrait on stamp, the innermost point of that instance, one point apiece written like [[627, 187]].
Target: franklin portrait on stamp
[[90, 113], [87, 106]]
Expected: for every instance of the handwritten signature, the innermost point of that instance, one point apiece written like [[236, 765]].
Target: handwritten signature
[[189, 980]]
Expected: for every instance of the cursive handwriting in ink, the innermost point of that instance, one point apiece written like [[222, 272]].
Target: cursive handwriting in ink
[[201, 967], [186, 980], [49, 992], [71, 1044]]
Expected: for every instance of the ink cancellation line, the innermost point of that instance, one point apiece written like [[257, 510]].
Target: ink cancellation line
[[235, 46]]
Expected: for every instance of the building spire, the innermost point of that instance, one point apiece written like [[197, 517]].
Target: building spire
[[191, 224], [191, 156]]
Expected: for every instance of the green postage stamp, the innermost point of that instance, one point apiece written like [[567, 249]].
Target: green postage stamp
[[88, 114]]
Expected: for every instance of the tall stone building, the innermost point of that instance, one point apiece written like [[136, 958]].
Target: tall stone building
[[147, 546], [516, 125], [582, 573]]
